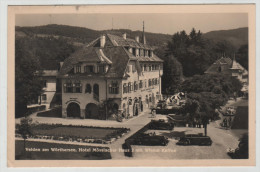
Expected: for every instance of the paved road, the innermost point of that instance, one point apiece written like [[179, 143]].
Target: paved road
[[222, 139]]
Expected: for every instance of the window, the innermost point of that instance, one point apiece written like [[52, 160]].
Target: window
[[44, 83], [88, 88], [101, 69], [125, 88], [129, 87], [149, 53], [135, 86], [145, 83], [141, 84], [145, 68], [149, 82], [68, 87], [132, 86], [150, 68], [44, 97], [114, 88], [142, 67], [89, 69], [78, 69], [134, 51], [78, 87], [128, 69], [140, 52]]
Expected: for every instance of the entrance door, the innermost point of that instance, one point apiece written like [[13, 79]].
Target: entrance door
[[91, 111], [73, 110]]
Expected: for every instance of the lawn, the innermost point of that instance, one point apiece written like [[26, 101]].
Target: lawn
[[99, 133], [78, 133], [54, 155]]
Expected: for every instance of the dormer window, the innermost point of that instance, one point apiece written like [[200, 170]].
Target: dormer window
[[134, 51], [150, 53], [101, 69], [145, 53], [78, 69], [89, 69]]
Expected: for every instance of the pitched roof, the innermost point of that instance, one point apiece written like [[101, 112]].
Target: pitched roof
[[229, 65], [223, 61], [85, 54], [117, 56], [120, 41]]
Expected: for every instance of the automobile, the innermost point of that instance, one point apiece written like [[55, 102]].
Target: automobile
[[161, 104], [195, 139], [150, 139], [161, 124]]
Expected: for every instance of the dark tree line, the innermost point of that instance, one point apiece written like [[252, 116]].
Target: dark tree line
[[35, 54], [193, 54], [208, 92]]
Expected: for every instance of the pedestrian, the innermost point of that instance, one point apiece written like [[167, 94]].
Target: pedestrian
[[229, 121], [225, 123]]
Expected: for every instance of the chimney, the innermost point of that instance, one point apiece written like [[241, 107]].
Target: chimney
[[137, 38], [102, 41], [124, 35], [144, 40]]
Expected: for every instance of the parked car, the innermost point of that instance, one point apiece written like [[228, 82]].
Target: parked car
[[195, 139], [161, 124], [161, 104], [150, 140]]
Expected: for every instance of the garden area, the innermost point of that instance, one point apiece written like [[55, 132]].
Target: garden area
[[71, 133], [48, 151]]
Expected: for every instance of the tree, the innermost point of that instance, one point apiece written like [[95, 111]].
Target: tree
[[25, 129], [27, 84], [211, 91], [173, 74], [191, 51], [242, 56], [224, 48]]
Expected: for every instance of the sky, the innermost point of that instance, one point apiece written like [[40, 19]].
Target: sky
[[157, 23]]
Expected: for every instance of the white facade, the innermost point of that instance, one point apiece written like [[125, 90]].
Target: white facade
[[49, 89]]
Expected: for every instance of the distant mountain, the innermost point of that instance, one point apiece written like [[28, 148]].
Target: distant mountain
[[54, 43], [85, 35], [236, 37]]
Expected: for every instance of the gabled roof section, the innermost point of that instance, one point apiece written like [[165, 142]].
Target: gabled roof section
[[223, 61], [85, 54], [120, 41], [119, 58]]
